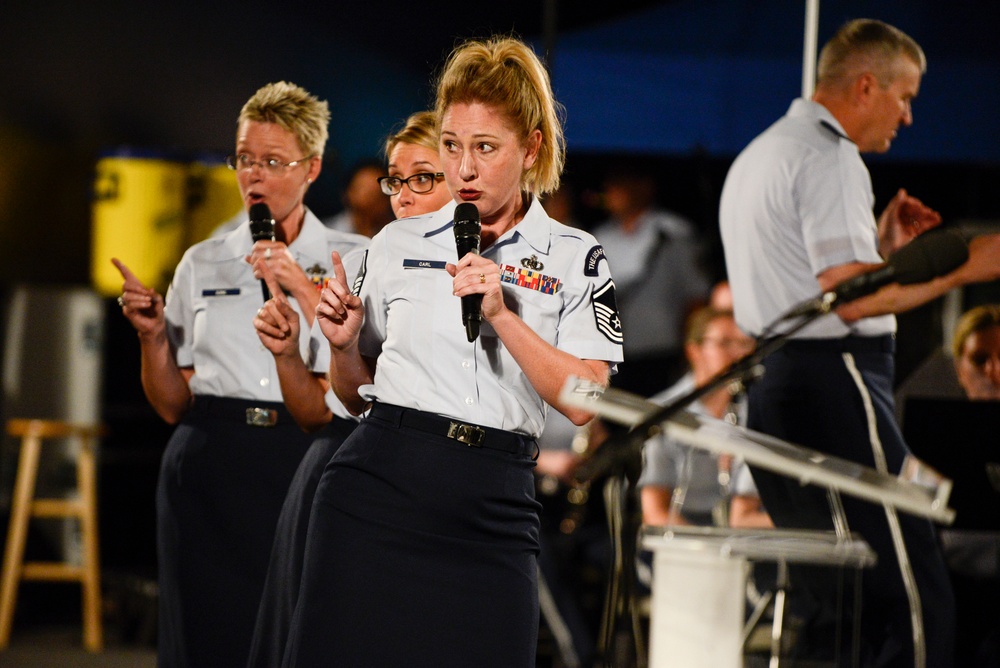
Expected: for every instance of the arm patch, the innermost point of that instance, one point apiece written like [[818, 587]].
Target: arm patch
[[594, 257], [606, 312]]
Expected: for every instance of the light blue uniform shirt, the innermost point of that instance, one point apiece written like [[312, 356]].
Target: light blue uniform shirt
[[214, 297], [555, 279], [797, 201]]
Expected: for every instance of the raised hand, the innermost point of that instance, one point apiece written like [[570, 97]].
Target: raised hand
[[340, 313], [288, 274], [904, 218], [276, 322], [142, 306]]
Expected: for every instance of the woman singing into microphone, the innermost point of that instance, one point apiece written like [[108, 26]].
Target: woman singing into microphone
[[228, 464], [424, 531]]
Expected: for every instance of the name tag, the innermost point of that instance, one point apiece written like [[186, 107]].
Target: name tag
[[424, 264], [220, 292]]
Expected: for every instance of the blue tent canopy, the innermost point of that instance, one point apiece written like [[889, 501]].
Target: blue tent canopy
[[711, 75]]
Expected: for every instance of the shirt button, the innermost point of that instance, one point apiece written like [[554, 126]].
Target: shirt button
[[264, 382], [466, 364], [469, 401]]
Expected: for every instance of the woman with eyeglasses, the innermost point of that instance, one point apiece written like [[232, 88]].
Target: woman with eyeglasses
[[228, 464], [414, 184], [423, 538], [414, 187]]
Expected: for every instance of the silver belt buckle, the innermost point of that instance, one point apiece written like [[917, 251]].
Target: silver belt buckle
[[262, 417], [469, 434]]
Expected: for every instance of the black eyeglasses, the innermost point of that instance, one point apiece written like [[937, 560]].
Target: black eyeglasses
[[243, 162], [418, 183]]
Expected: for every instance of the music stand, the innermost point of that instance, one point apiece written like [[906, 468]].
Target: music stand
[[680, 639]]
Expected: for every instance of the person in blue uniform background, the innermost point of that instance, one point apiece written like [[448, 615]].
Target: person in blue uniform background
[[796, 217]]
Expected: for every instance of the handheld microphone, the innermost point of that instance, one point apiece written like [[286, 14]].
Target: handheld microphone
[[928, 256], [262, 229], [467, 229]]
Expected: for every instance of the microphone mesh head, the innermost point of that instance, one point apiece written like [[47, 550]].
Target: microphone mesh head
[[466, 212], [261, 222], [467, 225]]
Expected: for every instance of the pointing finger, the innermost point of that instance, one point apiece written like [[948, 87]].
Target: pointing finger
[[270, 280]]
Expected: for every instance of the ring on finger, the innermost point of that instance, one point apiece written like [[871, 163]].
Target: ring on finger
[[121, 300], [260, 311], [267, 253], [482, 278]]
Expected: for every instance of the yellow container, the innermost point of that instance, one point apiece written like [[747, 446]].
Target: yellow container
[[213, 197], [138, 217]]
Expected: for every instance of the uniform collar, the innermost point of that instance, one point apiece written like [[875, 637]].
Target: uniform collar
[[803, 108], [534, 228]]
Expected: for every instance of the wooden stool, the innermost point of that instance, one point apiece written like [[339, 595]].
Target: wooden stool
[[25, 506]]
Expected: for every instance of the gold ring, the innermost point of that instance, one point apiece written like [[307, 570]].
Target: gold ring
[[121, 300], [482, 278]]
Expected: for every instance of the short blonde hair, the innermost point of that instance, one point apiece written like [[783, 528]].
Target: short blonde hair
[[294, 109], [420, 129], [972, 321], [504, 73], [866, 45]]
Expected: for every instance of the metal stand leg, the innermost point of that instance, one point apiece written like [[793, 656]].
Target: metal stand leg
[[621, 600]]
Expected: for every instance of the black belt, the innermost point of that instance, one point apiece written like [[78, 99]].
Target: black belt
[[472, 435], [246, 411], [885, 343]]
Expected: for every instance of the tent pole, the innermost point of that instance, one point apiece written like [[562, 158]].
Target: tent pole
[[809, 48]]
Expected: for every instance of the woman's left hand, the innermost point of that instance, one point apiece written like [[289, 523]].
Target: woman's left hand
[[277, 323], [475, 275]]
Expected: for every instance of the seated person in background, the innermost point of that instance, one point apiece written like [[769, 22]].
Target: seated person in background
[[976, 347], [713, 342], [967, 369], [366, 209]]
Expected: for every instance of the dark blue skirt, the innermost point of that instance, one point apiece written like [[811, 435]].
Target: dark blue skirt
[[221, 487], [281, 589], [422, 551]]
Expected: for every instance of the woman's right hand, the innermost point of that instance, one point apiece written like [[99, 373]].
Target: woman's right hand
[[142, 306], [340, 313]]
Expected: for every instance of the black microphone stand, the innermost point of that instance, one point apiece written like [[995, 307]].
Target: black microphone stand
[[619, 458]]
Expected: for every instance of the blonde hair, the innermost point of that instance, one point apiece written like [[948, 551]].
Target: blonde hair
[[293, 109], [866, 45], [504, 73], [972, 321], [420, 129]]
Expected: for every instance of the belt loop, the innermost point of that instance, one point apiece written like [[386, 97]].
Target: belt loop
[[538, 451]]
